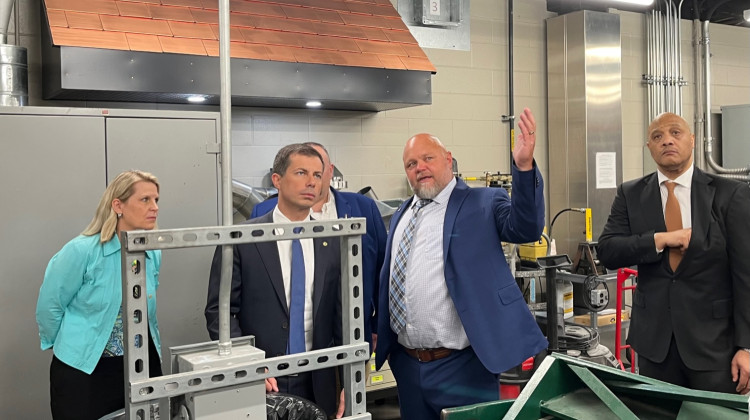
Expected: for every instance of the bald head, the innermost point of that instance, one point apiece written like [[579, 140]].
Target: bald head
[[428, 165], [671, 144]]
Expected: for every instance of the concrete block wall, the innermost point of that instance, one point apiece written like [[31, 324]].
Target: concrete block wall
[[470, 94]]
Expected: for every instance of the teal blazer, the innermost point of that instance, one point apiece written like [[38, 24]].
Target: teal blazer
[[81, 296]]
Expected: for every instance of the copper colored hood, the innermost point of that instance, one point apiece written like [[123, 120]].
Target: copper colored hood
[[348, 54]]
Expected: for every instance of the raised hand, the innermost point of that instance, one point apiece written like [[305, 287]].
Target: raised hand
[[523, 152]]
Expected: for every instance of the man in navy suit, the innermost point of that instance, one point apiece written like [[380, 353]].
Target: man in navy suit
[[687, 231], [332, 204], [451, 316], [263, 287]]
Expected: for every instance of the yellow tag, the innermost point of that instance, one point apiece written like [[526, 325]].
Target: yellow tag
[[372, 367], [376, 379]]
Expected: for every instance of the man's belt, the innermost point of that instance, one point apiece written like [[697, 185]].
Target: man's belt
[[428, 355]]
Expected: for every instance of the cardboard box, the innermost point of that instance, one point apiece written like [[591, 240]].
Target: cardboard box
[[605, 317]]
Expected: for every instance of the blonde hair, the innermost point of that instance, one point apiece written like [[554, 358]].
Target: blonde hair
[[105, 219]]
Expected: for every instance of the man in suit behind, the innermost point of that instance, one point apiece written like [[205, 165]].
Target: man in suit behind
[[687, 232], [451, 316], [332, 204], [264, 292]]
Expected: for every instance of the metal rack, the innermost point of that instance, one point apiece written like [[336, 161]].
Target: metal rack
[[142, 392]]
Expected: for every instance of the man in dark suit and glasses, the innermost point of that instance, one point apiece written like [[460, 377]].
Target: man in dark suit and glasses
[[688, 233], [287, 293]]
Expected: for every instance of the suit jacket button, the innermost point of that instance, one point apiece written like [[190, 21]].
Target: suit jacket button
[[284, 325]]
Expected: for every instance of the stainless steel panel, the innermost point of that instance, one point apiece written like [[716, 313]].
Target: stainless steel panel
[[585, 118]]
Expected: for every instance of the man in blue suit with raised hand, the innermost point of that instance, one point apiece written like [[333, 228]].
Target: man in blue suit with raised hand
[[332, 204], [451, 317]]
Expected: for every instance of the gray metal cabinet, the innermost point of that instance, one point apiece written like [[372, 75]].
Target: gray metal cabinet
[[54, 166]]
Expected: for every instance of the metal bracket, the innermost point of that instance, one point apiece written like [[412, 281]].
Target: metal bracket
[[142, 392]]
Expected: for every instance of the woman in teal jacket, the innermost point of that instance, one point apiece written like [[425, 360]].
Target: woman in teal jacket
[[79, 311]]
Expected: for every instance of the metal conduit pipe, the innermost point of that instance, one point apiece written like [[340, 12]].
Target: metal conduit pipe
[[698, 117], [671, 50], [647, 77], [680, 81], [225, 110], [511, 115], [708, 146], [5, 7], [17, 23]]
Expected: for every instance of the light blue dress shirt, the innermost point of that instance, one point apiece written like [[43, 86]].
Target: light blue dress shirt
[[81, 296]]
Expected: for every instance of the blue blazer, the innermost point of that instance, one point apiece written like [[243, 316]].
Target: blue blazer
[[350, 204], [501, 329]]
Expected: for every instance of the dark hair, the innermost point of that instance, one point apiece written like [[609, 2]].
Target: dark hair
[[281, 162]]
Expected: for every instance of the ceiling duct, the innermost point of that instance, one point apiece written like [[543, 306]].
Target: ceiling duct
[[14, 84], [349, 55]]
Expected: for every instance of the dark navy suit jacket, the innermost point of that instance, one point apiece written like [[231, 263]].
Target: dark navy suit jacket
[[258, 303], [501, 329], [373, 244]]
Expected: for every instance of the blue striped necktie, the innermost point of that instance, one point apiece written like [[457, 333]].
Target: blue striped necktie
[[397, 291], [297, 301]]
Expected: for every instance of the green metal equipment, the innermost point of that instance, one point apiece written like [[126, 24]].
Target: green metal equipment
[[568, 388]]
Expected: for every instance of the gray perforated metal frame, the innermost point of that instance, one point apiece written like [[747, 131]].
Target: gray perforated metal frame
[[142, 392]]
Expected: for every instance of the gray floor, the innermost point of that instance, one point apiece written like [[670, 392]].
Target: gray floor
[[384, 409]]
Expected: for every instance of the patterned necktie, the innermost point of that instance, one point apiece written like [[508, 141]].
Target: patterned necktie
[[673, 220], [297, 301], [397, 292]]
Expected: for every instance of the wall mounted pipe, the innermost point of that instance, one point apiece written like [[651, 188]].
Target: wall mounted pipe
[[511, 115], [698, 117], [708, 146], [225, 110], [5, 7]]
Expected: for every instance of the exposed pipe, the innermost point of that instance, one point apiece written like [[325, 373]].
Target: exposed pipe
[[511, 131], [5, 7], [700, 160], [708, 146], [225, 109], [680, 80]]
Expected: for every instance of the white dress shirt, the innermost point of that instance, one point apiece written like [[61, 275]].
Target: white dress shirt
[[285, 258], [431, 317], [682, 191], [328, 211]]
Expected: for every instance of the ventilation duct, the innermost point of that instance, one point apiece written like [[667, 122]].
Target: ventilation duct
[[14, 86], [347, 55]]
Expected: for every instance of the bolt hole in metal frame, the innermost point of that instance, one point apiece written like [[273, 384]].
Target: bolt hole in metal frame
[[141, 391]]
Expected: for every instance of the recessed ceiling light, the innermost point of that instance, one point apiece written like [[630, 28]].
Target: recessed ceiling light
[[196, 99], [313, 104], [746, 15]]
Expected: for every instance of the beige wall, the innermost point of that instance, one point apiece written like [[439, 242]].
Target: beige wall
[[470, 93]]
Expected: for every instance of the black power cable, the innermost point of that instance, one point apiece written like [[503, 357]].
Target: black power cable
[[579, 210]]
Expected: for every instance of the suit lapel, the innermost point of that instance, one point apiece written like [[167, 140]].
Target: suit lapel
[[459, 194], [326, 253], [343, 208], [701, 202], [269, 255], [651, 204]]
